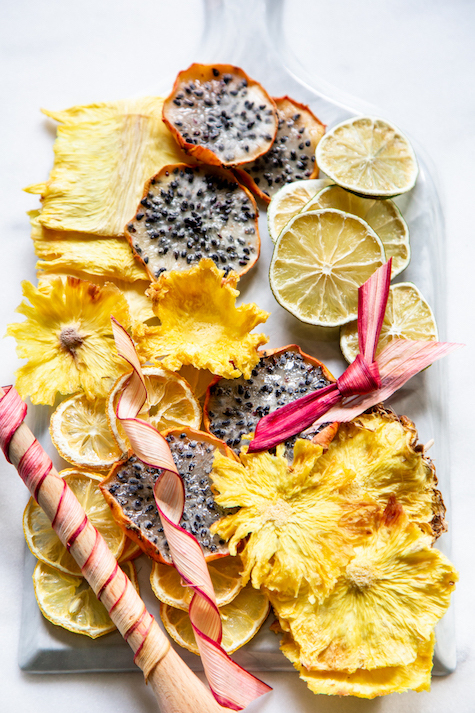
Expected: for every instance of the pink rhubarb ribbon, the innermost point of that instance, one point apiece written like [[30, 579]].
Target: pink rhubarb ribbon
[[367, 381], [232, 686]]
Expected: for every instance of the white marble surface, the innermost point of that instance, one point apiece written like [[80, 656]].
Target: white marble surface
[[414, 59]]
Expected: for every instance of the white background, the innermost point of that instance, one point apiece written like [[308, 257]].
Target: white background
[[414, 59]]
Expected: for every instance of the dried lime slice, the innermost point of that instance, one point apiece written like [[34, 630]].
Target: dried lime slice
[[408, 316], [289, 201], [368, 156], [319, 261], [381, 215]]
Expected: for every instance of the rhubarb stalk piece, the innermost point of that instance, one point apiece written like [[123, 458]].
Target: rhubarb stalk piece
[[176, 688]]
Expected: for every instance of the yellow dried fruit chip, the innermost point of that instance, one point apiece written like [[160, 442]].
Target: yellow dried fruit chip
[[68, 334], [104, 153], [366, 684], [73, 252], [386, 602], [200, 323], [290, 517]]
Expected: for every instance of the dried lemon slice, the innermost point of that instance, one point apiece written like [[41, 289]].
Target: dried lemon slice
[[69, 601], [170, 403], [225, 575], [408, 316], [319, 261], [383, 216], [80, 431], [289, 201], [241, 620], [43, 541], [368, 156]]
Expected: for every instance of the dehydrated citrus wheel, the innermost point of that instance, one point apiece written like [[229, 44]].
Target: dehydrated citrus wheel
[[170, 403], [291, 156], [225, 575], [368, 156], [43, 541], [289, 201], [241, 620], [408, 316], [80, 431], [190, 212], [383, 216], [69, 601], [219, 115], [319, 261], [131, 551]]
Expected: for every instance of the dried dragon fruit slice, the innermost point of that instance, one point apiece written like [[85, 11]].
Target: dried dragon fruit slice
[[128, 491], [233, 407], [191, 212], [291, 156], [219, 115]]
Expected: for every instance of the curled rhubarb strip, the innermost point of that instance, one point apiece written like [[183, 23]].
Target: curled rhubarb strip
[[85, 543], [366, 382], [231, 685]]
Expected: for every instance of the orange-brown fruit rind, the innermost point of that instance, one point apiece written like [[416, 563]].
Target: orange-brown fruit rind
[[183, 203], [132, 529], [200, 83], [295, 156]]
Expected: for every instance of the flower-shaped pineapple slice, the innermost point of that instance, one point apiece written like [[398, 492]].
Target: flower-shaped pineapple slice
[[381, 452], [200, 323], [363, 683], [293, 518], [383, 606], [67, 339]]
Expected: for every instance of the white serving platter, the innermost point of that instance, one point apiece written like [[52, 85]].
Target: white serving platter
[[258, 46]]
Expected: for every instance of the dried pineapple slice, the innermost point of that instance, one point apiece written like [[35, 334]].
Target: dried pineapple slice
[[68, 335], [362, 683], [384, 605], [380, 451], [140, 306], [295, 519], [200, 323], [73, 252], [104, 153]]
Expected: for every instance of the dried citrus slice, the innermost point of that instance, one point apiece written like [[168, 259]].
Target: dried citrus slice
[[289, 201], [219, 115], [241, 620], [69, 601], [80, 431], [368, 156], [381, 215], [170, 403], [130, 552], [319, 261], [43, 541], [224, 572], [408, 316]]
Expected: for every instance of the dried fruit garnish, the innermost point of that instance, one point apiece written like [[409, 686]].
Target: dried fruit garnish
[[200, 323], [78, 253], [292, 517], [233, 407], [190, 212], [363, 683], [68, 334], [104, 153], [291, 156], [383, 606], [128, 490], [219, 115]]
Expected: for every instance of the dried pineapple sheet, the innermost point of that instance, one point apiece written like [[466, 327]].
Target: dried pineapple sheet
[[104, 153]]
